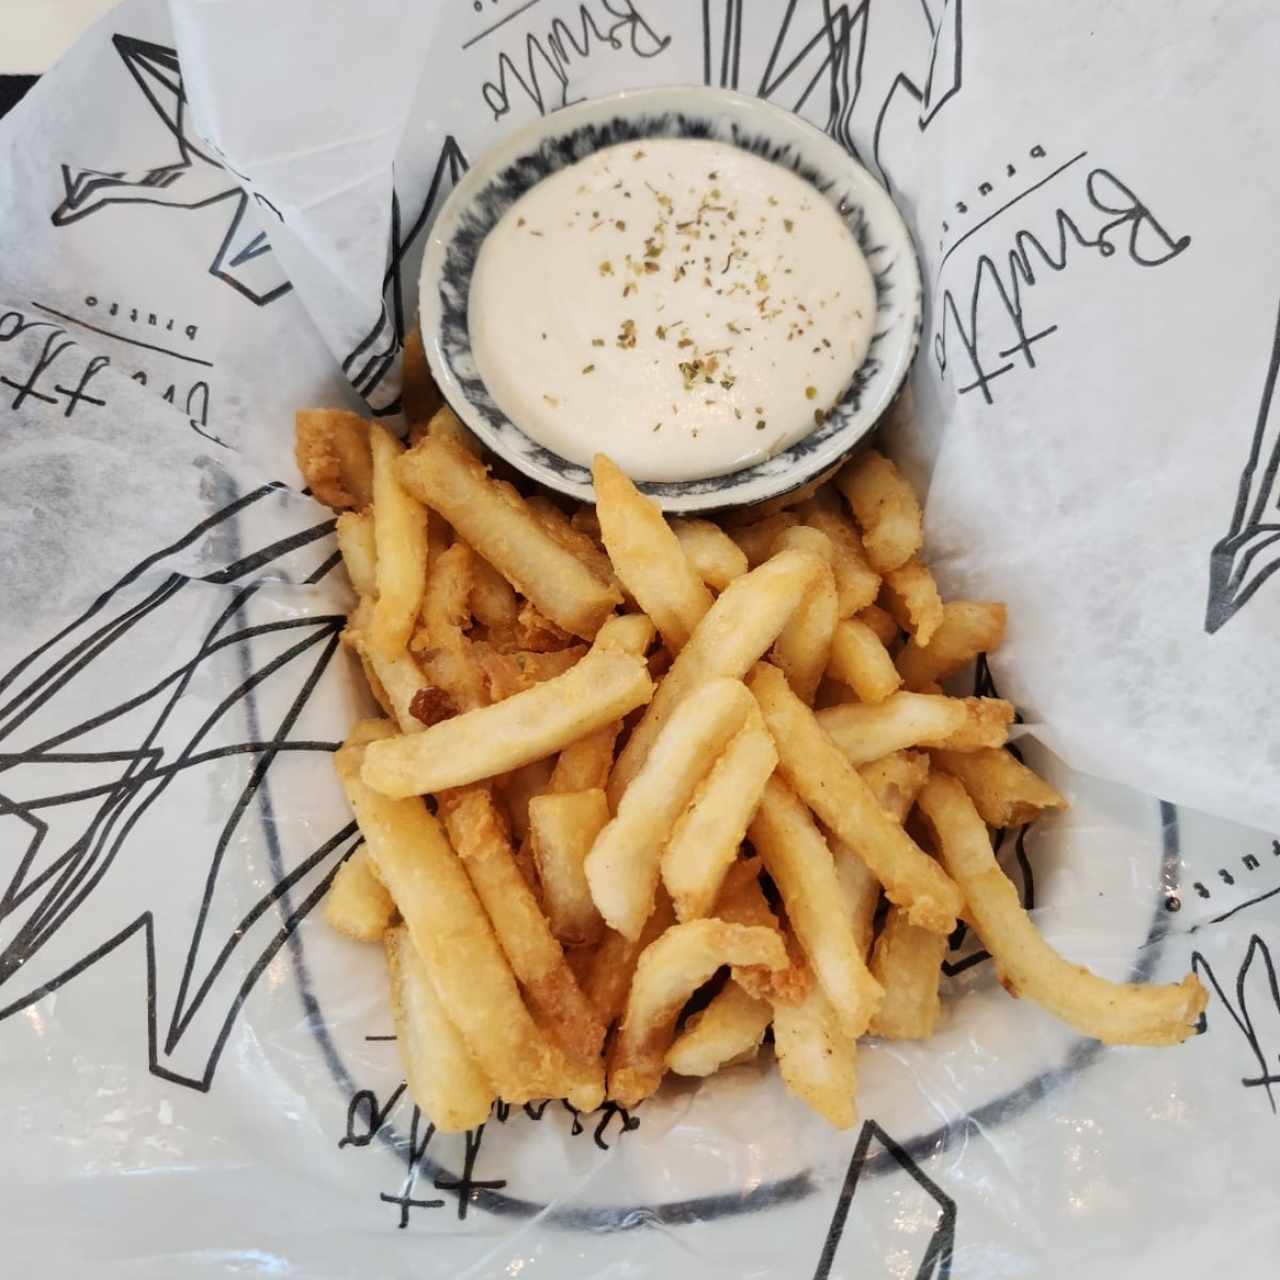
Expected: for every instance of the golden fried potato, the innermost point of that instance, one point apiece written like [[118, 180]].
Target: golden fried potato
[[1113, 1012], [331, 447]]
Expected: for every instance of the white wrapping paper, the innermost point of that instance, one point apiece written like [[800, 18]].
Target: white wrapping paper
[[211, 219]]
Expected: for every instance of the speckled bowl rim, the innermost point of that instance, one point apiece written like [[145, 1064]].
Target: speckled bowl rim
[[503, 173]]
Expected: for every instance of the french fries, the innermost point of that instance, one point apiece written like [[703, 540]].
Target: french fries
[[496, 523], [907, 963], [907, 960], [887, 511], [705, 841], [1003, 790], [860, 660], [803, 647], [582, 960], [729, 1030], [857, 583], [715, 557], [819, 773], [911, 597], [742, 901], [648, 556], [865, 731], [444, 424], [510, 673], [1113, 1012], [881, 622], [562, 828], [831, 693], [754, 512], [537, 961], [493, 603], [585, 764], [446, 597], [816, 1059], [576, 541], [736, 631], [527, 726], [622, 867], [538, 633], [614, 963], [452, 933], [756, 541], [400, 536], [859, 894], [797, 858], [585, 520], [626, 633], [355, 536], [519, 787], [443, 1077], [399, 678], [561, 892], [666, 975], [967, 629], [357, 904], [331, 447], [894, 782], [447, 656]]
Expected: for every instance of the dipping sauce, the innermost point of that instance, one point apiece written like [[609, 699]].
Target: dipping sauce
[[684, 306]]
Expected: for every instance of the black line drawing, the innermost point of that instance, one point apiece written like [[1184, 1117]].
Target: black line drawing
[[194, 180], [1250, 552], [1244, 906], [375, 354], [81, 367], [561, 44], [121, 337], [366, 1118], [944, 80], [1267, 986], [829, 42], [59, 881], [997, 290], [1250, 864], [58, 342], [1008, 204], [935, 1262], [78, 706], [502, 22]]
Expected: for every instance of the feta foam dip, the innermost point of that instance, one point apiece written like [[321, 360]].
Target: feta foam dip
[[683, 305]]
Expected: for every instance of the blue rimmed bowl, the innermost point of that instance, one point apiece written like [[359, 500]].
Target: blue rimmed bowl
[[504, 173]]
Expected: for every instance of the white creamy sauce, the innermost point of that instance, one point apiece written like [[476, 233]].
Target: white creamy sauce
[[684, 306]]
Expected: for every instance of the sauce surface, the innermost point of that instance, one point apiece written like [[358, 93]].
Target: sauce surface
[[682, 305]]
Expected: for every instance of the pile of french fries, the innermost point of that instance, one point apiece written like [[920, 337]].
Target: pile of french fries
[[626, 763]]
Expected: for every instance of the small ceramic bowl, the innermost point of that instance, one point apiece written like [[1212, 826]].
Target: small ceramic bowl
[[507, 171]]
